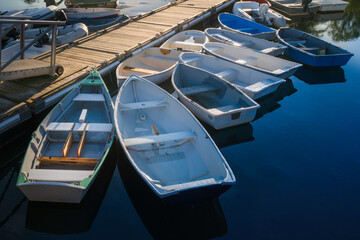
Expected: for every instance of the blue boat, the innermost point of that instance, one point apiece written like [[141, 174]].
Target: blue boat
[[311, 50], [244, 26]]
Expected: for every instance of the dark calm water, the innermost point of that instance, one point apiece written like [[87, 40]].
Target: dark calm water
[[297, 168]]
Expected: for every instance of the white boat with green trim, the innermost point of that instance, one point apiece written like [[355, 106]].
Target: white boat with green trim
[[69, 147]]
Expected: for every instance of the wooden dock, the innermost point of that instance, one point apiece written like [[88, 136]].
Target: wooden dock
[[21, 99]]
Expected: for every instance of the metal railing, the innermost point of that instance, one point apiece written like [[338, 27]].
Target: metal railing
[[21, 22]]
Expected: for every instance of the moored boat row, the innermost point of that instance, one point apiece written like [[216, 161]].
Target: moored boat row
[[216, 81]]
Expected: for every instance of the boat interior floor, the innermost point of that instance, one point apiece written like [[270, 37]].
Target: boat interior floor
[[168, 162]]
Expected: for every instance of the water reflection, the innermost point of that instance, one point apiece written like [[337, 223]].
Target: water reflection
[[342, 27], [64, 218], [231, 135], [270, 103], [320, 75], [11, 199], [199, 221]]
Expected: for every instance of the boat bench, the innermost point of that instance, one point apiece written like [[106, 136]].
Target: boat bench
[[142, 105], [89, 97], [79, 127], [256, 87], [222, 109], [159, 138], [227, 73], [198, 89], [158, 58], [58, 175], [246, 60], [185, 44], [140, 70]]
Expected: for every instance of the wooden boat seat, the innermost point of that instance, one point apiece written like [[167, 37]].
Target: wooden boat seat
[[58, 175], [221, 110], [89, 97], [159, 138], [79, 127], [141, 105], [246, 60], [69, 161], [198, 89], [259, 85], [140, 70]]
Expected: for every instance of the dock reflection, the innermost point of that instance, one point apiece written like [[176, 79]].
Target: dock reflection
[[66, 218], [320, 75], [163, 221], [270, 103]]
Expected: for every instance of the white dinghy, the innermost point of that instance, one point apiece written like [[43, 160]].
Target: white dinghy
[[190, 40], [70, 146], [260, 13], [261, 62], [66, 34], [167, 146], [153, 64], [254, 83], [242, 40], [211, 99]]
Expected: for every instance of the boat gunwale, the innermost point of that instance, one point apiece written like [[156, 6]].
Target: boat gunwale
[[229, 179]]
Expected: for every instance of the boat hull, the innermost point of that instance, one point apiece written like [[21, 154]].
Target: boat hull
[[338, 57], [52, 192], [240, 40], [244, 26], [176, 167], [293, 8]]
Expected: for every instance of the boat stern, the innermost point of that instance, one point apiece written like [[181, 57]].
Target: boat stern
[[52, 192]]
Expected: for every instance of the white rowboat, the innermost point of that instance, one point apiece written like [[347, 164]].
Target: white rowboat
[[260, 13], [241, 40], [261, 62], [190, 40], [167, 146], [211, 99], [153, 64], [254, 83]]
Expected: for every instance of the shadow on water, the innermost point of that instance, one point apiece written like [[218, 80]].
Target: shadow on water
[[8, 177], [65, 218], [270, 103], [163, 221], [320, 75], [231, 135]]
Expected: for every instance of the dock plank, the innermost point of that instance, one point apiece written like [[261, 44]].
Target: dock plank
[[101, 49]]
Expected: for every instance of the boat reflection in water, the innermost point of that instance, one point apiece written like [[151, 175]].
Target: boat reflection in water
[[231, 135], [199, 221], [270, 103], [320, 75], [67, 218]]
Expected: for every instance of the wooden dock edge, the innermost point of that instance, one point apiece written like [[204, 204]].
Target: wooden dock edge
[[53, 93]]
